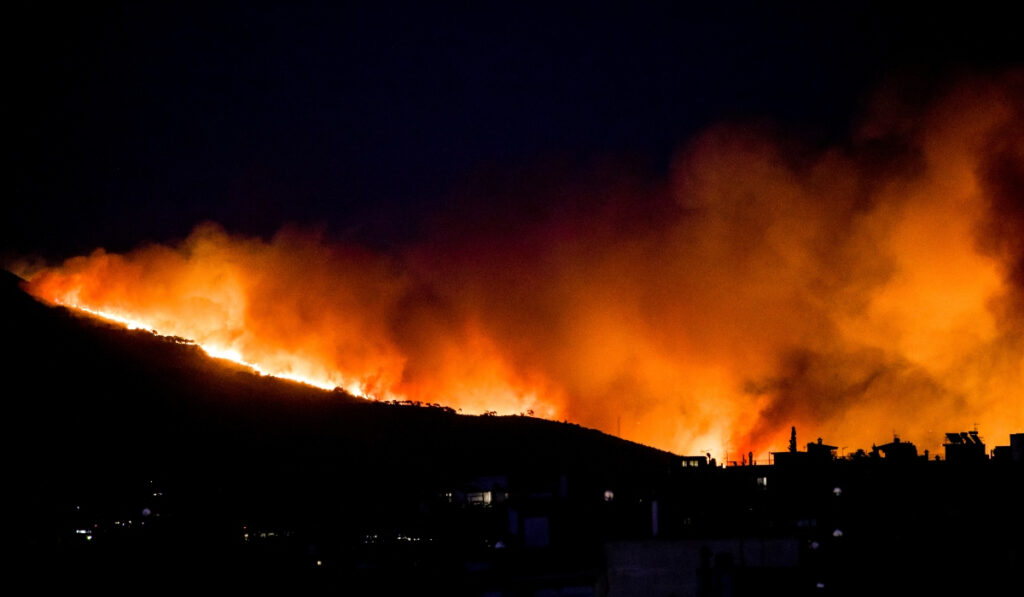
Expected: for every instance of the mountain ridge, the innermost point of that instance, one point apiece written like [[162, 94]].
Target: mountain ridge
[[93, 399]]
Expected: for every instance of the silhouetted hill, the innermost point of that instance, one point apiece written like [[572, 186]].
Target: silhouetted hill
[[97, 414], [136, 463]]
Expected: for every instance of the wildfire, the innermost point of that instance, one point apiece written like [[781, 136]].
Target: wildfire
[[218, 352], [847, 292]]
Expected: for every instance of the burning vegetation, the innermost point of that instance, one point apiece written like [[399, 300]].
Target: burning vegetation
[[846, 290]]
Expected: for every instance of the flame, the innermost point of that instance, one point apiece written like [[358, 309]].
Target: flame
[[217, 352], [852, 291]]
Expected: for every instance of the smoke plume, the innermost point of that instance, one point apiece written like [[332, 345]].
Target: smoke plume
[[851, 291]]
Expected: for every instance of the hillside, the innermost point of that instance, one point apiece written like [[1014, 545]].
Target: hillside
[[102, 419]]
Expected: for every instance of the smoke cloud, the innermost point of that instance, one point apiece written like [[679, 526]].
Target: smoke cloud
[[851, 291]]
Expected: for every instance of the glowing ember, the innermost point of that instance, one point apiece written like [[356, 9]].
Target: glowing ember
[[228, 354], [840, 292]]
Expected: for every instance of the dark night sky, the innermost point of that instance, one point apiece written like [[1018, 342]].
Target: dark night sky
[[135, 122]]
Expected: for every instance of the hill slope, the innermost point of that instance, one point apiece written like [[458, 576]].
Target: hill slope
[[102, 419]]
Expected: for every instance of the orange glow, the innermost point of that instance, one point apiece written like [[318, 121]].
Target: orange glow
[[216, 352], [850, 292]]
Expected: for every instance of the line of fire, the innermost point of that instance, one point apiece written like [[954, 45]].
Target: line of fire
[[137, 464]]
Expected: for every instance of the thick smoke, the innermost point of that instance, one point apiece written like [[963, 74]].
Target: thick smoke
[[872, 287]]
